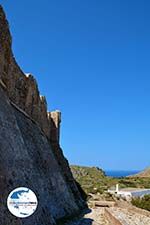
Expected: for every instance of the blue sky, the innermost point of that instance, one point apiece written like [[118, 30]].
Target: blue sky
[[92, 61]]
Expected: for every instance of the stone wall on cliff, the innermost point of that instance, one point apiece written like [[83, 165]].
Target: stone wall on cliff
[[21, 88], [30, 154]]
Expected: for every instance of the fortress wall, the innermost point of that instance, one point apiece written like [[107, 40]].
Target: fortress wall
[[22, 88]]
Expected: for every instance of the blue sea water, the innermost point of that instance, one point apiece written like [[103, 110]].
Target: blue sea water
[[120, 173]]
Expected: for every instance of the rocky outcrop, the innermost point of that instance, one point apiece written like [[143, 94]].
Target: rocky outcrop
[[55, 118], [30, 154]]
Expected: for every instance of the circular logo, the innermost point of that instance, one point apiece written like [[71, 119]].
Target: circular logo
[[22, 202]]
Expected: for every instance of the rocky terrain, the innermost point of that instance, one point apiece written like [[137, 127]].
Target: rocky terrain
[[106, 209], [129, 217], [30, 154], [92, 217], [123, 214], [119, 213]]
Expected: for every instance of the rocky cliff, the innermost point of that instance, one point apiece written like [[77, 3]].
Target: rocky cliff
[[30, 154]]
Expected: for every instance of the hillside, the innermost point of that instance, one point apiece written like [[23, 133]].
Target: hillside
[[93, 180], [84, 171], [144, 173]]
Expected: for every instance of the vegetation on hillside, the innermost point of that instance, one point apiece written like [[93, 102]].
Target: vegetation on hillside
[[93, 180], [143, 203]]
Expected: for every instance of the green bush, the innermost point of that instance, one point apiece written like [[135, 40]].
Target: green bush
[[143, 203]]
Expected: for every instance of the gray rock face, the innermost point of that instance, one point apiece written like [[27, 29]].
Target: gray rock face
[[29, 155], [21, 88]]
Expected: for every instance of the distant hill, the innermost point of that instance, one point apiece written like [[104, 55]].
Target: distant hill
[[91, 179], [91, 172], [144, 173]]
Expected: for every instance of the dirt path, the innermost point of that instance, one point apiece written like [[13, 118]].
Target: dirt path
[[129, 218], [94, 217]]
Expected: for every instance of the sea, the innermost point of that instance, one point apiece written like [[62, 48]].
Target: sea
[[120, 173]]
